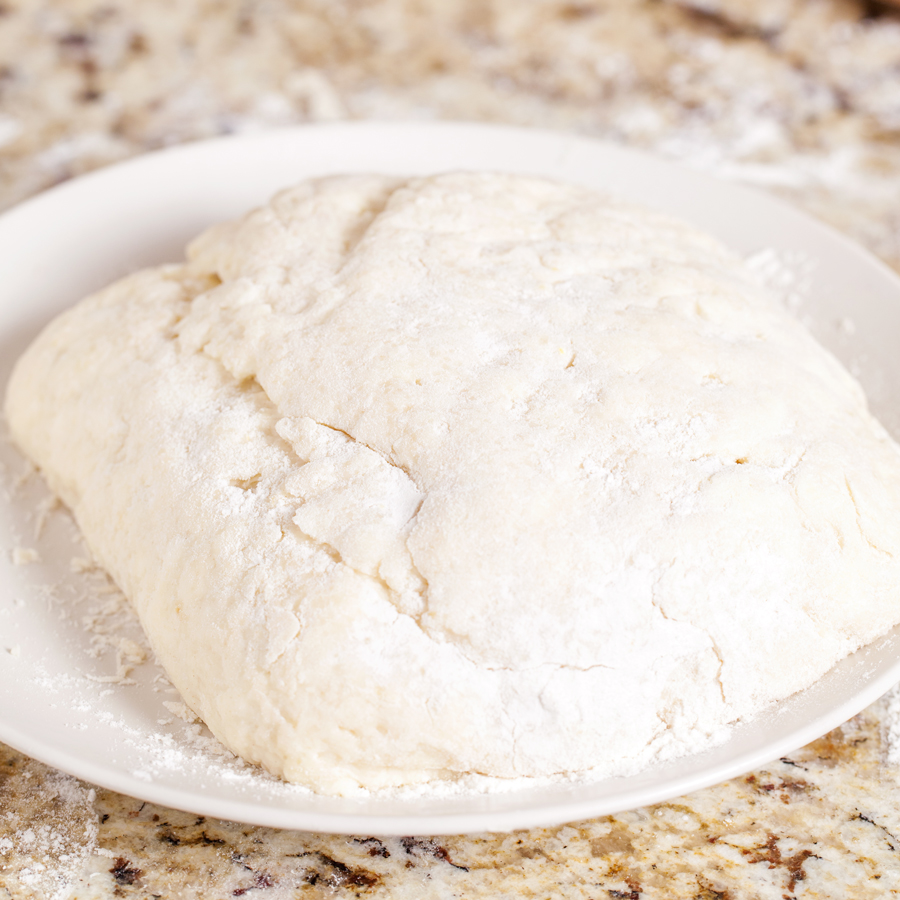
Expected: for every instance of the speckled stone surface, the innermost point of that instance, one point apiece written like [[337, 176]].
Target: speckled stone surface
[[799, 96]]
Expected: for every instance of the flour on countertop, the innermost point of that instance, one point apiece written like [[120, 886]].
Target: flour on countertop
[[800, 105], [891, 725], [44, 855]]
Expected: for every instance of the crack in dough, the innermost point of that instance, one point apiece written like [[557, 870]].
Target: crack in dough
[[862, 533], [386, 457]]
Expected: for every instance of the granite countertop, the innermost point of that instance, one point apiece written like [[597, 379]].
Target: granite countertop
[[801, 97]]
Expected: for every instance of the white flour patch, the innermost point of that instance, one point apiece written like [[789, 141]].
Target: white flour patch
[[24, 556], [786, 274]]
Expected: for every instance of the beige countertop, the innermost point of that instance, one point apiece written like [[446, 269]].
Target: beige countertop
[[801, 97]]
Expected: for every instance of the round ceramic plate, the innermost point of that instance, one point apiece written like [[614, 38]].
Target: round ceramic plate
[[74, 692]]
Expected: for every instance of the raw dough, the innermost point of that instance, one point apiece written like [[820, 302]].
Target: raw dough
[[468, 473]]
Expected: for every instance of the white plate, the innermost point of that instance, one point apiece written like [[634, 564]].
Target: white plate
[[79, 236]]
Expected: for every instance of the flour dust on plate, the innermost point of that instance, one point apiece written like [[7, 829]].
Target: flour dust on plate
[[414, 481]]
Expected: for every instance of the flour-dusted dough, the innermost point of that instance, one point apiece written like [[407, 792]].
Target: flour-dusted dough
[[469, 473]]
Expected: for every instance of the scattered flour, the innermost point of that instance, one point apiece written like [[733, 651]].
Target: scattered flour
[[23, 556], [891, 725], [847, 326], [48, 830], [182, 710], [785, 274]]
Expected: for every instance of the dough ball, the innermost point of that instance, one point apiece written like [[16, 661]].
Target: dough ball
[[474, 473]]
